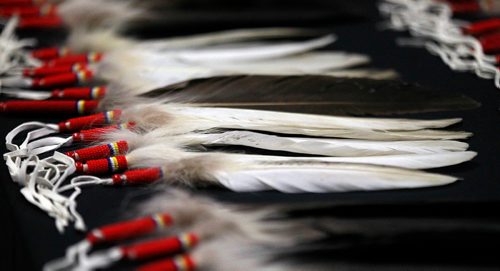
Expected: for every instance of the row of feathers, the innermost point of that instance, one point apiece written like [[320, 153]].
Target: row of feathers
[[188, 94]]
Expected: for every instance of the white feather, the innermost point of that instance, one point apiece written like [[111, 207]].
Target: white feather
[[243, 116], [411, 161], [338, 178], [145, 70], [172, 120], [106, 39], [317, 146], [215, 55], [307, 63], [313, 146], [254, 52], [291, 174], [166, 70], [221, 37]]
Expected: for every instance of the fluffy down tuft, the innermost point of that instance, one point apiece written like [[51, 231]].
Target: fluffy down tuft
[[111, 14]]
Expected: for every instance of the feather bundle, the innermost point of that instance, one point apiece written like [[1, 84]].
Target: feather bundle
[[281, 236], [247, 92], [245, 173], [142, 69], [217, 227]]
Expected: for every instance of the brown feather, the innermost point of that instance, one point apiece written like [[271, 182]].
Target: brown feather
[[316, 94]]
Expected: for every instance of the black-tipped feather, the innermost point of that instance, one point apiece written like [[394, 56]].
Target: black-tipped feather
[[317, 95]]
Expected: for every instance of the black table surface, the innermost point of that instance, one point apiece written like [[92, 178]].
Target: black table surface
[[29, 237]]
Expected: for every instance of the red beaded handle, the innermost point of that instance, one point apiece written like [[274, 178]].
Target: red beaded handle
[[51, 70], [29, 11], [21, 2], [86, 93], [490, 43], [75, 58], [128, 229], [41, 22], [466, 7], [62, 79], [49, 53], [102, 166], [99, 119], [138, 176], [158, 247], [96, 133], [178, 263], [481, 27], [98, 152], [81, 107]]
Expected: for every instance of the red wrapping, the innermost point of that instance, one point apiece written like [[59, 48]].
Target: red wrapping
[[49, 53], [99, 119], [55, 80], [75, 58], [129, 229], [465, 7], [179, 263], [52, 70], [138, 176], [29, 11], [49, 107], [98, 152], [102, 166], [158, 247], [70, 78], [484, 26], [40, 22], [490, 43], [21, 2], [86, 93]]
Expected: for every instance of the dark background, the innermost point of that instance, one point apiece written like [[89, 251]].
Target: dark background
[[29, 237]]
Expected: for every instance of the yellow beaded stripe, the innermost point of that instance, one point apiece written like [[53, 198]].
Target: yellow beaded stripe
[[92, 57], [80, 107], [76, 67], [109, 116], [186, 241], [113, 164], [114, 149], [82, 76], [123, 126], [181, 263], [96, 92], [45, 9], [160, 224], [63, 51]]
